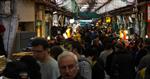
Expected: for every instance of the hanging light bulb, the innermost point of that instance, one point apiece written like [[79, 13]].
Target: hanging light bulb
[[146, 36], [127, 37], [72, 21], [48, 38]]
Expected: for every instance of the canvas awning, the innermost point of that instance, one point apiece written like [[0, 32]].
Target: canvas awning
[[93, 6]]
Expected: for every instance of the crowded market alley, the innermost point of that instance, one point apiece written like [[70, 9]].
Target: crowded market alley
[[74, 39]]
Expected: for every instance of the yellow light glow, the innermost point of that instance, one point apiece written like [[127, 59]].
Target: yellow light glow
[[68, 33], [99, 20], [126, 31], [38, 32], [127, 37], [121, 35], [48, 38]]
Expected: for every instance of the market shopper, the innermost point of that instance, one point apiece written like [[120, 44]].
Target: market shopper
[[84, 64], [48, 65], [15, 70], [33, 67], [144, 62], [68, 65], [55, 51]]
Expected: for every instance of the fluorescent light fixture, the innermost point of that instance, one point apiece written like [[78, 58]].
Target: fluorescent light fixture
[[48, 38], [85, 20], [54, 12], [85, 6], [130, 1]]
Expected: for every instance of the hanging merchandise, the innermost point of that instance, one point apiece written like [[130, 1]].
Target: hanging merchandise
[[115, 27], [142, 26], [47, 24], [114, 24], [66, 21], [130, 19], [127, 19], [61, 21], [127, 22], [124, 22], [120, 21], [59, 2], [133, 16], [137, 26], [55, 20]]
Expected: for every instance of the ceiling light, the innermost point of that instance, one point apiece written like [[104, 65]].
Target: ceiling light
[[85, 6], [54, 12]]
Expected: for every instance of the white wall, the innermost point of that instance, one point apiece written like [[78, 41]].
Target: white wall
[[26, 10]]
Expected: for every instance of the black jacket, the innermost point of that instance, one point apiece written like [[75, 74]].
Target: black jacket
[[77, 77]]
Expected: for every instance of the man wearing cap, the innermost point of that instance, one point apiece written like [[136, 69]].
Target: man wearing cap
[[145, 61]]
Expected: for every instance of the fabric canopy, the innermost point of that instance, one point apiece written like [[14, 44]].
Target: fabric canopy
[[114, 4], [83, 8]]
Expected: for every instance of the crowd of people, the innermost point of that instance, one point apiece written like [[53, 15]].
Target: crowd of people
[[97, 55]]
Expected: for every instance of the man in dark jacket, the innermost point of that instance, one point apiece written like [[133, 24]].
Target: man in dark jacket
[[145, 61]]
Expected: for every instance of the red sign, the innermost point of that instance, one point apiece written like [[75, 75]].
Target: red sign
[[148, 12]]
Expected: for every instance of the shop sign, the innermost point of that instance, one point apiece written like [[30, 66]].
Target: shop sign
[[108, 19], [148, 10]]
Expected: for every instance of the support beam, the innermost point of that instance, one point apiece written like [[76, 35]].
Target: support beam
[[103, 5]]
